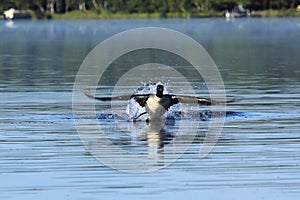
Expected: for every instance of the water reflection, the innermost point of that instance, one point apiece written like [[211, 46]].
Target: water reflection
[[9, 24], [158, 135], [151, 146]]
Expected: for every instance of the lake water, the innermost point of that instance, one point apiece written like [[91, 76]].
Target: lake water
[[256, 156]]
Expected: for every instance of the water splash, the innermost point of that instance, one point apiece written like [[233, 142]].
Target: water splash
[[134, 109]]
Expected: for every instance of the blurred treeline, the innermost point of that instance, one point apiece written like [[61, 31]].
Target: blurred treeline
[[144, 6]]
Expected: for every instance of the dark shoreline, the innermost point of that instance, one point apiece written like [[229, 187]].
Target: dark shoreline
[[95, 15]]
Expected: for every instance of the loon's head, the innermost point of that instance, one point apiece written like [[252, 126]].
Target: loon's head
[[159, 90]]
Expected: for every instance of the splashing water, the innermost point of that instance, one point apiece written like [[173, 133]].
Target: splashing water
[[134, 109], [176, 112]]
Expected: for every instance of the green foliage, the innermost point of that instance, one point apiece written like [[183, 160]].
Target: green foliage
[[163, 8]]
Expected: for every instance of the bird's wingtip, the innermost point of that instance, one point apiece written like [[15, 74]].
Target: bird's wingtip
[[87, 92]]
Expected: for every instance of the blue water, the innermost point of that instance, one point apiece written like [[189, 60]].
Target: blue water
[[256, 156]]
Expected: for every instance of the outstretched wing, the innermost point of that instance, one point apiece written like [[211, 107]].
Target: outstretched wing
[[200, 101], [140, 98]]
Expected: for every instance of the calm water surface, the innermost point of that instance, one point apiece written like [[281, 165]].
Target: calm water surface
[[256, 157]]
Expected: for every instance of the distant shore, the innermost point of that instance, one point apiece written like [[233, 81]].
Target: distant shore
[[95, 15], [106, 15]]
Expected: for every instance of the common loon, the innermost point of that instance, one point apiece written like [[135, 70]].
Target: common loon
[[157, 104]]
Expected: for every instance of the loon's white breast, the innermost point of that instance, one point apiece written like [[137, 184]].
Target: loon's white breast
[[156, 106]]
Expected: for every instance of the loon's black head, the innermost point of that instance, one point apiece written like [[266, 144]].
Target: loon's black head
[[159, 90]]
